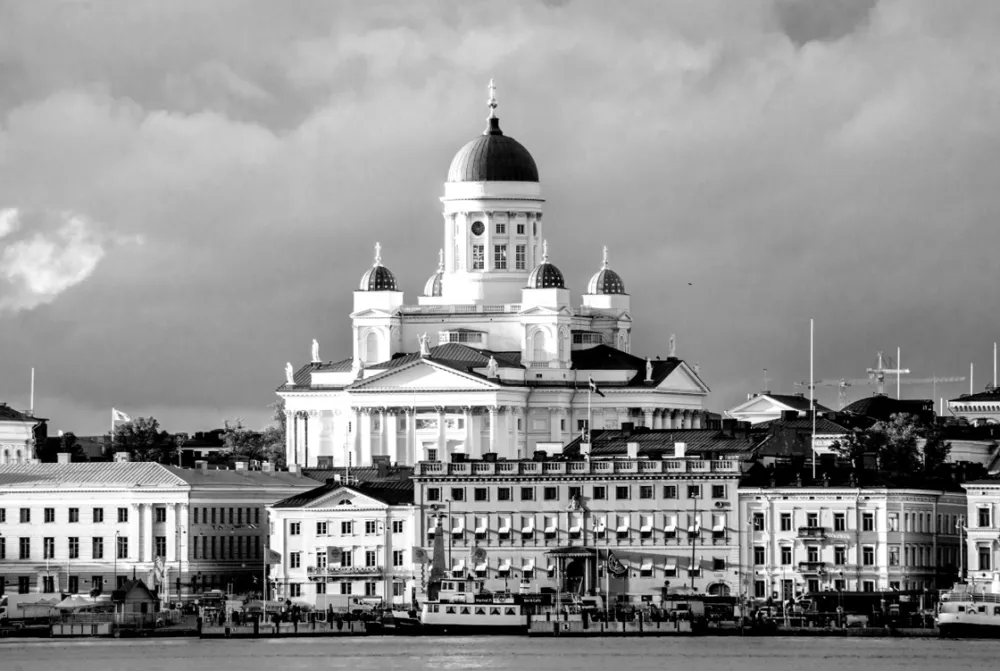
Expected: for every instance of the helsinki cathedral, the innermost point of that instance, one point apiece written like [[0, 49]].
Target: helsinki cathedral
[[493, 357]]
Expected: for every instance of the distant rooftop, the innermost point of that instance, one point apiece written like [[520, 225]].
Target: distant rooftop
[[109, 474], [393, 493], [661, 442]]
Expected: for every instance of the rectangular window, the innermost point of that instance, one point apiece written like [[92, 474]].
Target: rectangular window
[[760, 589], [868, 521], [294, 528], [670, 491], [49, 584], [256, 515], [74, 584], [369, 588], [161, 515], [758, 521], [645, 491], [23, 584], [786, 521], [501, 228], [98, 515], [527, 493], [50, 515], [122, 547], [622, 493], [3, 554], [25, 515], [503, 494], [575, 492], [239, 516], [718, 564], [370, 528], [481, 494], [397, 526], [432, 454], [294, 559], [161, 546], [550, 493], [984, 517], [520, 229], [97, 547], [321, 528], [718, 491], [25, 548], [457, 493], [840, 555], [321, 558], [49, 548], [500, 257], [868, 555], [839, 522], [477, 257], [786, 555], [74, 515], [600, 493], [321, 588], [812, 553], [345, 587], [74, 547], [519, 257], [122, 515], [812, 520], [347, 559], [694, 491], [3, 515], [984, 559], [433, 494], [893, 521], [759, 555], [346, 528], [894, 555], [397, 558], [369, 558], [294, 589]]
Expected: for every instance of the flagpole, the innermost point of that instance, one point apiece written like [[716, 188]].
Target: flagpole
[[812, 403], [590, 392]]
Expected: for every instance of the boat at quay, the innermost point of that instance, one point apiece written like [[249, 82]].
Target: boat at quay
[[464, 607], [965, 613]]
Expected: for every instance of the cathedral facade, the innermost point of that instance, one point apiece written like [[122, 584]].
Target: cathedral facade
[[493, 357]]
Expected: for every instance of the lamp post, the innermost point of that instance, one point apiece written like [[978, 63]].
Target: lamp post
[[115, 550]]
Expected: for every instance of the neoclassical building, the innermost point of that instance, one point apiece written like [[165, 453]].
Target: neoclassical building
[[19, 433], [494, 357]]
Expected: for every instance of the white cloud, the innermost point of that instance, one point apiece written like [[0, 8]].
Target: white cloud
[[36, 269], [9, 221]]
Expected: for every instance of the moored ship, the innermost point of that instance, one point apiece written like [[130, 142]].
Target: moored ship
[[965, 613], [464, 607]]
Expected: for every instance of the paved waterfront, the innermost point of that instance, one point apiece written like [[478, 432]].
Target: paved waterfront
[[515, 654]]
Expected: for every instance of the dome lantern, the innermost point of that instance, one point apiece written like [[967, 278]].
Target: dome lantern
[[545, 275], [606, 281], [378, 277]]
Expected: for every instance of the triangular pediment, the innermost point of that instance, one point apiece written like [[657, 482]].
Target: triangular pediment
[[345, 498], [539, 311], [758, 405], [373, 313], [425, 374], [683, 379]]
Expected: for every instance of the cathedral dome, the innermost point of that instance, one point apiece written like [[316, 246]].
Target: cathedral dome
[[378, 277], [433, 286], [493, 156], [546, 275], [606, 281]]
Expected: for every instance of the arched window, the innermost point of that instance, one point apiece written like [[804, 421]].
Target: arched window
[[17, 457], [6, 456], [539, 350], [371, 347]]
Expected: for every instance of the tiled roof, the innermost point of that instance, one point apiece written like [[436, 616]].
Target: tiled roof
[[205, 477], [795, 402], [9, 414], [605, 357], [658, 442], [393, 493], [362, 473], [760, 476], [823, 425], [303, 376], [111, 474]]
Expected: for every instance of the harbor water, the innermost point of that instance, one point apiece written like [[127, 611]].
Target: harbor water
[[499, 653]]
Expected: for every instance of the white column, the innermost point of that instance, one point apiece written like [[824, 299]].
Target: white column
[[356, 438], [698, 417], [442, 441], [171, 532], [493, 428], [147, 532], [555, 430], [366, 437], [380, 445], [647, 417], [470, 449], [391, 431], [510, 444], [289, 437], [411, 423]]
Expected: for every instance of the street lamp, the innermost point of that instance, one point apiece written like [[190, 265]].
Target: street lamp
[[115, 550]]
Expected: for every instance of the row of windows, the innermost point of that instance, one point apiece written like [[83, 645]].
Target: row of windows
[[344, 558], [501, 228], [368, 588], [218, 515], [226, 547], [499, 257], [917, 555], [347, 528], [598, 493], [916, 522], [73, 549], [72, 584], [73, 515]]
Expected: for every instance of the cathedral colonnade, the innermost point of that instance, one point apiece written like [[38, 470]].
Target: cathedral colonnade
[[407, 435]]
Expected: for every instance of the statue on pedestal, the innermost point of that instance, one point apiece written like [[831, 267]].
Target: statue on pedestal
[[673, 345], [492, 368], [649, 370], [289, 373], [425, 348], [315, 351]]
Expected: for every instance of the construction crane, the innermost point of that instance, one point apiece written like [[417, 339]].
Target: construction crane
[[877, 374], [841, 384]]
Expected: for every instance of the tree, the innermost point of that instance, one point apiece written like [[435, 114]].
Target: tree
[[267, 445], [142, 440], [935, 451], [898, 454], [50, 448], [855, 448]]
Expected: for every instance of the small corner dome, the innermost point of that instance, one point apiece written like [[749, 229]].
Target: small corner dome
[[433, 286], [378, 277], [605, 280], [545, 275]]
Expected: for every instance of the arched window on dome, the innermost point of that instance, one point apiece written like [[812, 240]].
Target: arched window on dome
[[17, 457], [6, 456], [371, 347], [539, 351]]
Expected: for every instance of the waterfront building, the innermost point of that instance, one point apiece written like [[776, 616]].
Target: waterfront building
[[663, 503], [983, 533], [494, 356], [802, 535], [19, 433], [84, 526], [981, 408], [345, 538], [767, 407]]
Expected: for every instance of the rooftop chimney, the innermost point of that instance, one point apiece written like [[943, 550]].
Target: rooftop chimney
[[121, 457], [267, 467], [633, 450], [295, 469], [240, 465], [679, 449], [64, 457], [585, 450], [201, 464]]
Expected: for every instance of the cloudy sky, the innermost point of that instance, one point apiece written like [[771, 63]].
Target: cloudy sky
[[190, 190]]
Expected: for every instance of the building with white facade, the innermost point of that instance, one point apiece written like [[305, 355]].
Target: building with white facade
[[76, 527], [820, 536], [19, 433], [983, 534], [980, 408], [339, 540], [767, 407], [494, 357]]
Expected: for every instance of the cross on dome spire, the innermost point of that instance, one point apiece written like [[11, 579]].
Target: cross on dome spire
[[545, 251], [605, 264], [378, 254], [492, 102]]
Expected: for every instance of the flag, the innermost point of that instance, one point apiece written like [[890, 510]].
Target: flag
[[273, 557], [334, 555], [119, 416], [478, 555], [615, 567], [594, 388], [420, 556]]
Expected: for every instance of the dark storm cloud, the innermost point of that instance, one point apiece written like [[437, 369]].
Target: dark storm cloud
[[751, 165]]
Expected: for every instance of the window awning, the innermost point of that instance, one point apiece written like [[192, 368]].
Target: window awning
[[550, 529], [528, 565], [504, 565], [458, 528], [550, 568], [575, 529], [459, 565], [671, 564], [694, 528], [647, 565], [482, 527], [646, 528], [528, 529], [623, 527], [505, 529], [719, 527], [670, 528], [482, 566], [601, 526]]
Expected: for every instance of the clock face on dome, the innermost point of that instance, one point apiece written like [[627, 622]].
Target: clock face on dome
[[478, 228]]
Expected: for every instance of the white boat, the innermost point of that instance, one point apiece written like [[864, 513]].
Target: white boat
[[964, 613], [464, 607]]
